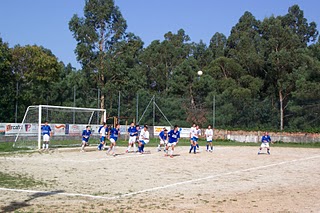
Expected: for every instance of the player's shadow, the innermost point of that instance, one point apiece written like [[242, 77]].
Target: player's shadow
[[15, 205]]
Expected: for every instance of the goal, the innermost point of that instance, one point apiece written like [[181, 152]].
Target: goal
[[66, 123]]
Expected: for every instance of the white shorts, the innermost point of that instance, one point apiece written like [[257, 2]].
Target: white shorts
[[264, 145], [132, 139], [171, 144], [46, 137], [163, 141], [112, 140]]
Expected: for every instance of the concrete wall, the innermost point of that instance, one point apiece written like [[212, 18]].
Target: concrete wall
[[255, 136]]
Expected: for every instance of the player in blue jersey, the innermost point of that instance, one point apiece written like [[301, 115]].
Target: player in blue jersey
[[85, 137], [173, 136], [113, 137], [143, 138], [46, 133], [133, 133], [163, 136], [265, 141], [196, 135]]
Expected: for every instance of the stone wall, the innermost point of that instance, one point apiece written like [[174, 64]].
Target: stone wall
[[255, 136]]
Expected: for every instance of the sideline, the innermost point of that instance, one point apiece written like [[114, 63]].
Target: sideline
[[159, 187]]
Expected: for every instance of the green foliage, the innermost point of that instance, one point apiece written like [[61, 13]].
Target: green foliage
[[7, 84], [265, 75]]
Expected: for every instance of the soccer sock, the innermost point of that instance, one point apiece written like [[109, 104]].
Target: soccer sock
[[82, 147], [134, 147], [142, 148], [207, 146], [47, 146], [43, 145], [129, 147], [194, 149], [191, 148], [211, 148], [139, 148], [171, 152], [197, 145]]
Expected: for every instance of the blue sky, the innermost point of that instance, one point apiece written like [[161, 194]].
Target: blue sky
[[45, 22]]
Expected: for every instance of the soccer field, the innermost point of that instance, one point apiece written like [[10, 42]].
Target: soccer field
[[231, 179]]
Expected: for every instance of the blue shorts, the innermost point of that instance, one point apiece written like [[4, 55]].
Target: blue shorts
[[102, 139], [144, 142], [195, 139]]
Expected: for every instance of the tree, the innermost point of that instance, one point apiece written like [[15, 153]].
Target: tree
[[283, 58], [244, 44], [97, 34], [35, 69], [7, 88]]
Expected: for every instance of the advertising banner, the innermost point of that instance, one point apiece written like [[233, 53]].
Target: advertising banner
[[184, 132], [59, 129], [14, 128], [158, 129], [75, 129]]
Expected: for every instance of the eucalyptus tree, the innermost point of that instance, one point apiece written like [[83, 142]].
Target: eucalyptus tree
[[97, 34]]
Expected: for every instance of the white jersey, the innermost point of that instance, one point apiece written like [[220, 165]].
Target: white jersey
[[103, 132], [209, 134], [144, 136], [192, 132], [197, 133]]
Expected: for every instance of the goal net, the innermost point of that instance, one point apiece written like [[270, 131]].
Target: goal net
[[66, 123]]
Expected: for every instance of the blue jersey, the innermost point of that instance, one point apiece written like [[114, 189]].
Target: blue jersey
[[173, 136], [265, 139], [86, 135], [133, 131], [163, 136], [114, 133], [46, 130]]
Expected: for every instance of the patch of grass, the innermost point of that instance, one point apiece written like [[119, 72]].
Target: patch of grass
[[18, 181], [7, 147]]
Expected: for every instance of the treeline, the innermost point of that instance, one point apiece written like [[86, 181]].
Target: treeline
[[265, 75]]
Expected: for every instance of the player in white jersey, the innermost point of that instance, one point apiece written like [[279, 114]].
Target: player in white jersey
[[191, 135], [209, 135], [143, 138], [196, 135]]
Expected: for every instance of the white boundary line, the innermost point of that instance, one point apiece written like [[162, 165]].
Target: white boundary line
[[159, 187]]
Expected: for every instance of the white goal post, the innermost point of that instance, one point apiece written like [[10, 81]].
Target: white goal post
[[35, 116]]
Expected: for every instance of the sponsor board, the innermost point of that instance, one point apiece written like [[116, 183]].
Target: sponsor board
[[158, 129], [184, 132], [59, 129], [14, 128]]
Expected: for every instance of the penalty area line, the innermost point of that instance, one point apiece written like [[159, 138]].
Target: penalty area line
[[44, 193]]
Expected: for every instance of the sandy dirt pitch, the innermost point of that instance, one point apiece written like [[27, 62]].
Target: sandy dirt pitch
[[231, 179]]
